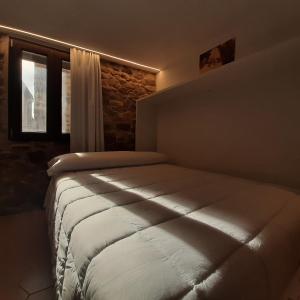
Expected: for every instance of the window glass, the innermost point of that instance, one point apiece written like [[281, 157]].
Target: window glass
[[34, 92], [66, 97]]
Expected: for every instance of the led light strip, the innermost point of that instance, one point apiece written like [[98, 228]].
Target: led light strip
[[69, 45]]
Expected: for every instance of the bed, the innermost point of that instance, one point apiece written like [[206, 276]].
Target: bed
[[148, 229]]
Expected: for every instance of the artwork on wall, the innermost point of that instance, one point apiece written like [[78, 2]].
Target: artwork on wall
[[217, 56]]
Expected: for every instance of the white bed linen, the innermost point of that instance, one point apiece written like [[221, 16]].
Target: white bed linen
[[166, 232], [102, 160]]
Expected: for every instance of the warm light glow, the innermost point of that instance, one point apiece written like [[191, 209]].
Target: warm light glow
[[70, 45]]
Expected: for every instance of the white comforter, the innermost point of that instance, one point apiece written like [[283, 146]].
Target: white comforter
[[165, 232]]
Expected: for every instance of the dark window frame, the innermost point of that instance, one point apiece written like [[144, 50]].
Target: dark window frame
[[55, 58]]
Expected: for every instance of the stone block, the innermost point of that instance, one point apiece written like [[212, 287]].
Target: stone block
[[37, 157]]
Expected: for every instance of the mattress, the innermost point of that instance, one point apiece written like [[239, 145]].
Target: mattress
[[166, 232]]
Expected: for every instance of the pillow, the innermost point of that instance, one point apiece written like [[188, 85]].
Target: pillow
[[102, 160]]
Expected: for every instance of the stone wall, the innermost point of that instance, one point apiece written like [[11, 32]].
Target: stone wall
[[3, 89], [23, 178], [122, 86]]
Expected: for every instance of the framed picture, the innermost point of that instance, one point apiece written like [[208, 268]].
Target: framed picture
[[217, 56]]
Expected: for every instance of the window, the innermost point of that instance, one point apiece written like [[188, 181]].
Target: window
[[65, 97], [39, 92], [34, 92]]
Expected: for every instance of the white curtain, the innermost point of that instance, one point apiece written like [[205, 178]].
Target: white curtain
[[86, 102]]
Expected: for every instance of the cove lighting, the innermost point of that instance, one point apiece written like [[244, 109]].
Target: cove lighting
[[70, 45]]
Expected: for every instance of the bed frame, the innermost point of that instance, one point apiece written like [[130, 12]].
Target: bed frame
[[241, 119]]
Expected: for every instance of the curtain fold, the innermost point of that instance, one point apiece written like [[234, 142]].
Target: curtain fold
[[86, 102]]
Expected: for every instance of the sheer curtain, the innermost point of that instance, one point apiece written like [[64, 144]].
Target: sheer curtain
[[86, 104]]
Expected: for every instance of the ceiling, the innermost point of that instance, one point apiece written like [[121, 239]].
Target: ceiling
[[150, 32]]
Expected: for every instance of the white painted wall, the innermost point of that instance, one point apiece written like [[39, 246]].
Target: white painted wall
[[255, 25]]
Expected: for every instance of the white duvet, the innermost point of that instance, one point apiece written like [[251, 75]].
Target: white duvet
[[166, 232]]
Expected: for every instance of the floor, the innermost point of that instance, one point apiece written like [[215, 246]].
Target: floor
[[293, 291], [25, 257]]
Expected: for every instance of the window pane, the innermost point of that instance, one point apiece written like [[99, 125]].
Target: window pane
[[66, 97], [34, 92]]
